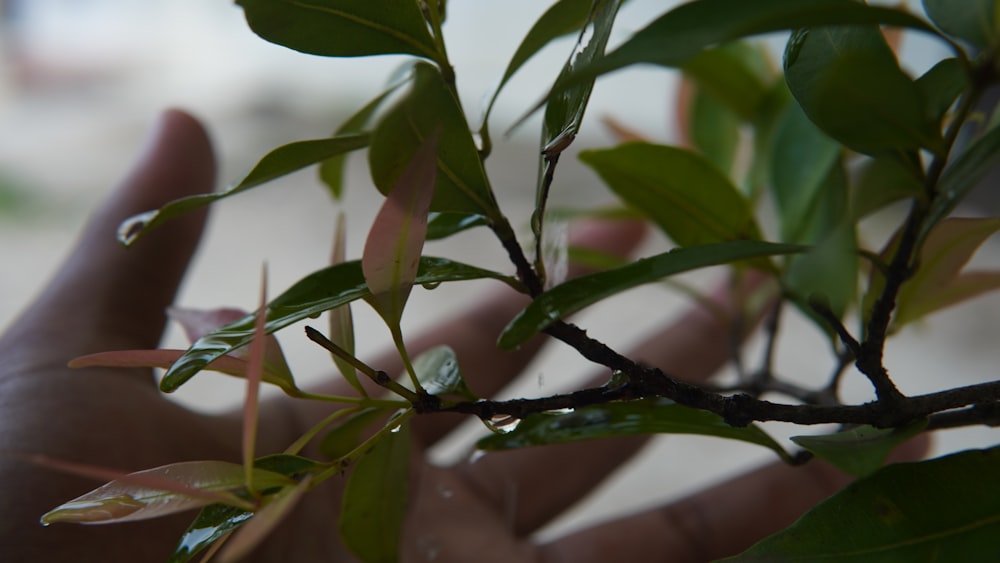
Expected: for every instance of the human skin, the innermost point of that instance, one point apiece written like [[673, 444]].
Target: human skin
[[105, 297]]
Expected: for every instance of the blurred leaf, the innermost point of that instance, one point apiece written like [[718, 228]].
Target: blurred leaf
[[439, 373], [940, 86], [562, 18], [680, 34], [972, 20], [684, 194], [936, 283], [286, 464], [644, 416], [255, 370], [443, 225], [462, 185], [829, 271], [801, 157], [158, 492], [715, 131], [349, 434], [341, 321], [881, 181], [944, 509], [396, 238], [342, 28], [279, 162], [573, 295], [848, 82], [311, 296], [275, 508], [732, 73], [213, 523], [859, 451], [331, 170], [374, 503], [962, 174]]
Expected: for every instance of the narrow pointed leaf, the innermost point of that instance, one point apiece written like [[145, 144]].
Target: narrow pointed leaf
[[972, 20], [161, 491], [645, 416], [684, 194], [396, 239], [342, 28], [255, 368], [945, 509], [439, 373], [310, 297], [462, 185], [212, 524], [256, 530], [859, 451], [848, 82], [279, 162], [573, 295], [374, 503], [341, 320]]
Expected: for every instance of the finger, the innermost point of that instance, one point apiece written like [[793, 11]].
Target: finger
[[521, 481], [718, 522], [107, 297]]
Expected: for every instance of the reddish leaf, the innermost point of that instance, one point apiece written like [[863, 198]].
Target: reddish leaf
[[341, 319]]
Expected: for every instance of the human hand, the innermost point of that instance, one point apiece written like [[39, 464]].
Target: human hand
[[108, 298]]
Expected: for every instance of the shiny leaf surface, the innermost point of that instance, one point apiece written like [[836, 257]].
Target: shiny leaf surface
[[443, 225]]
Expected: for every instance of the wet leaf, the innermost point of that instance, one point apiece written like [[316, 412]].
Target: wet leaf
[[859, 451], [573, 295], [213, 523], [374, 504], [279, 162], [342, 28], [158, 492], [396, 238], [462, 185], [973, 20], [443, 225], [645, 416], [310, 297], [937, 283], [848, 82], [439, 373], [275, 508], [684, 194], [944, 509]]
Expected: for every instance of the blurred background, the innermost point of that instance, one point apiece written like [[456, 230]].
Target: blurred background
[[82, 80]]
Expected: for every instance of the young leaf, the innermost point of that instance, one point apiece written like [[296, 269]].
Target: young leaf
[[279, 162], [848, 82], [396, 239], [156, 492], [645, 416], [937, 283], [439, 374], [947, 509], [974, 20], [342, 28], [277, 506], [684, 194], [310, 297], [341, 319], [573, 295], [374, 503], [462, 185], [255, 368], [859, 451]]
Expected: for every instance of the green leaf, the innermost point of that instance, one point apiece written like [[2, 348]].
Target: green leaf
[[644, 416], [715, 130], [349, 434], [936, 283], [881, 181], [972, 20], [462, 185], [573, 295], [802, 158], [859, 451], [375, 498], [684, 194], [848, 82], [945, 509], [279, 162], [311, 296], [562, 18], [443, 225], [940, 86], [439, 374], [396, 239], [734, 74], [275, 507], [829, 271], [680, 34], [342, 28], [212, 524], [962, 175]]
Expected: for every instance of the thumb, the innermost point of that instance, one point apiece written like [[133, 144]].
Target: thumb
[[106, 296]]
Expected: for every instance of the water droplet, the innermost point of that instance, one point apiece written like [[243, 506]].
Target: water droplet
[[475, 456], [430, 286], [132, 228], [445, 491], [395, 429]]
